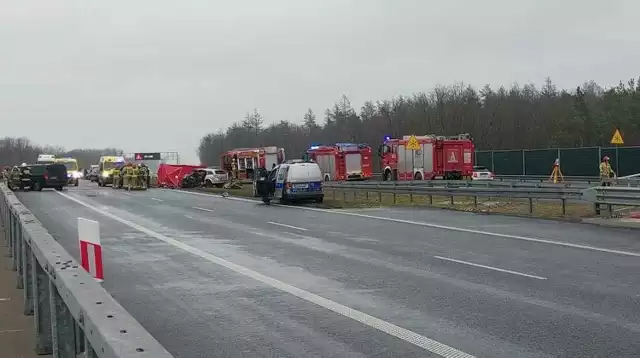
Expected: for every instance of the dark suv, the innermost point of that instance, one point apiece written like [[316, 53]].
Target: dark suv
[[48, 176]]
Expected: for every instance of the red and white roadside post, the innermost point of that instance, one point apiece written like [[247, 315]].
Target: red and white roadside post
[[90, 248]]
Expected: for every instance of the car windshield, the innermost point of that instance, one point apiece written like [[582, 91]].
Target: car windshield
[[219, 172], [71, 166], [480, 169]]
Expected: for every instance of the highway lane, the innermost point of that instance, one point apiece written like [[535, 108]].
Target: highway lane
[[583, 303]]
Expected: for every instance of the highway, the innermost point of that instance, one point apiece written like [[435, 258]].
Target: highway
[[209, 277]]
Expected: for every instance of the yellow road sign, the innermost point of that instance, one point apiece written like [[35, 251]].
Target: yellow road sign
[[617, 138], [413, 144]]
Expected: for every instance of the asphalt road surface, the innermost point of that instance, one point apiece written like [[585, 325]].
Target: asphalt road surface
[[211, 277]]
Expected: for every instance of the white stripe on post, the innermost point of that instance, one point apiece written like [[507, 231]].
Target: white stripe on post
[[90, 248]]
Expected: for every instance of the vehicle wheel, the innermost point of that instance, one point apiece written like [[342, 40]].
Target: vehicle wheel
[[59, 188], [319, 200], [417, 176], [77, 182], [219, 185], [36, 187]]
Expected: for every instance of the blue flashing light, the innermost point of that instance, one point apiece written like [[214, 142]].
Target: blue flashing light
[[313, 147], [387, 138]]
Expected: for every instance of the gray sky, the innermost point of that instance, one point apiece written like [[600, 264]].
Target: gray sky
[[156, 75]]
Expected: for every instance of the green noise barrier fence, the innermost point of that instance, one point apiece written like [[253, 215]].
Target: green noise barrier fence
[[573, 161]]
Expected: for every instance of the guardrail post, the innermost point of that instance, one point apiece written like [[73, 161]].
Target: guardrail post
[[366, 195], [14, 234], [62, 325], [19, 258], [42, 311], [380, 197], [475, 202], [530, 206], [451, 200], [88, 351], [79, 338], [430, 199], [564, 207], [9, 237], [27, 269], [597, 209]]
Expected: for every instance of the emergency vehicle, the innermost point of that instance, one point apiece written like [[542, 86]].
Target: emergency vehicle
[[343, 161], [46, 159], [73, 173], [246, 160], [106, 165], [437, 157]]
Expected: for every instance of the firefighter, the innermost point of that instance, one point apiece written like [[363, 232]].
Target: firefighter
[[234, 167], [145, 180], [128, 175], [606, 172]]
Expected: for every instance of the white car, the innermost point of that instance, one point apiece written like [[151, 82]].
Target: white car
[[482, 173], [215, 177]]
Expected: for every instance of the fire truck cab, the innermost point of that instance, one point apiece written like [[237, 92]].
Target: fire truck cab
[[439, 157], [343, 161], [245, 161]]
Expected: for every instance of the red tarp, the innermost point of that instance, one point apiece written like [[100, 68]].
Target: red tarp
[[170, 176]]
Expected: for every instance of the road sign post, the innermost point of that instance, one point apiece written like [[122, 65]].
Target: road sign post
[[414, 145], [90, 248], [617, 140]]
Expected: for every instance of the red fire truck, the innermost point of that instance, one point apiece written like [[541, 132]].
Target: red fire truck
[[343, 161], [438, 157], [246, 160]]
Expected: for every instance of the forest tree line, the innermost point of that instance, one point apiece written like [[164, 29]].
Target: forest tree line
[[516, 117], [15, 151]]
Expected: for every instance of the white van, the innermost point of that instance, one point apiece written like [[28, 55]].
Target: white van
[[298, 181]]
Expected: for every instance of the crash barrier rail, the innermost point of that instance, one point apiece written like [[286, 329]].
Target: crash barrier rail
[[468, 183], [561, 194], [612, 195], [73, 313], [630, 180]]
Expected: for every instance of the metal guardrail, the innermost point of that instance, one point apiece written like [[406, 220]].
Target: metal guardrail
[[611, 195], [629, 180], [73, 313], [559, 193], [466, 183]]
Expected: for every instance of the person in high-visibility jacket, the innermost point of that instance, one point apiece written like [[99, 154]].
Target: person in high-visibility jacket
[[128, 175], [606, 172]]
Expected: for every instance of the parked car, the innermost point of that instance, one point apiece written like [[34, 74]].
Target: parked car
[[482, 173]]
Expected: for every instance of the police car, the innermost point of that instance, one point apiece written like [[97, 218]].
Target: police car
[[297, 180]]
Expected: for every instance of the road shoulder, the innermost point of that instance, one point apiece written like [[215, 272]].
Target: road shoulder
[[17, 332]]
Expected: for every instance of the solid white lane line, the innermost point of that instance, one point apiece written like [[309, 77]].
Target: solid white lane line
[[444, 227], [285, 225], [203, 209], [4, 299], [416, 339], [491, 268], [156, 199]]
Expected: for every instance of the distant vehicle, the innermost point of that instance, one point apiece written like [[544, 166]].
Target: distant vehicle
[[246, 160], [73, 173], [105, 169], [435, 157], [482, 173], [93, 173], [343, 161], [46, 159]]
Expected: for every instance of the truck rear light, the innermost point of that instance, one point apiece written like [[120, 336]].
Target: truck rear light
[[46, 176], [288, 185], [475, 174]]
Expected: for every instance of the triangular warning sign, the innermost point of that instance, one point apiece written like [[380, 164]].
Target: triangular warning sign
[[617, 138], [139, 157], [452, 157], [413, 144]]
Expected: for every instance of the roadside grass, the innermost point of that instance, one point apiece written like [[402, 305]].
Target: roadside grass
[[543, 208]]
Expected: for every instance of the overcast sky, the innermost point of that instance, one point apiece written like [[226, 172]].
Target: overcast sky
[[157, 75]]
